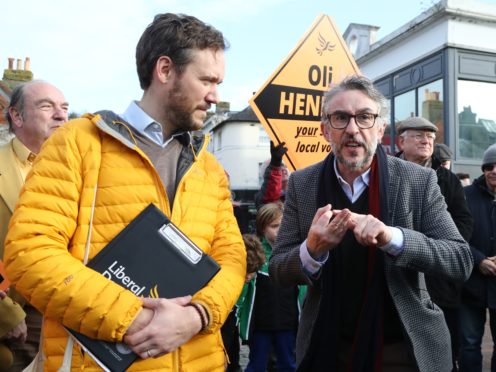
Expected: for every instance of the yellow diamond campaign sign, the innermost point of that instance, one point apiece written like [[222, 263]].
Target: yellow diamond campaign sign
[[288, 105]]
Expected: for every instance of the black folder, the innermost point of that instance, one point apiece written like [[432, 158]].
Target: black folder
[[152, 258]]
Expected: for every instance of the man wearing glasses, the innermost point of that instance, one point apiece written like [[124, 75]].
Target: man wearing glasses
[[479, 292], [416, 141], [361, 229]]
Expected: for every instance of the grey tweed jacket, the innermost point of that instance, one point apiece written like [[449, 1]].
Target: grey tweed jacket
[[432, 244]]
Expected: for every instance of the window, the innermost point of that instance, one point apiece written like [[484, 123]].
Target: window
[[431, 106], [218, 140], [476, 118], [386, 139], [425, 101], [263, 137], [404, 107]]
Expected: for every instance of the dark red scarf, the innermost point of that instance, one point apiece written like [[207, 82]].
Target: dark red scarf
[[366, 353]]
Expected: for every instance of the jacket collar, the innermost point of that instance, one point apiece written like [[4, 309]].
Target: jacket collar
[[115, 126], [10, 177], [481, 184], [429, 163], [22, 153]]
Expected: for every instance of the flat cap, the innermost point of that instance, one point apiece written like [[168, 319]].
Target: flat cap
[[415, 123], [442, 152]]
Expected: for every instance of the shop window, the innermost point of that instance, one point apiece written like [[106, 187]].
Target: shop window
[[431, 106], [404, 107], [476, 118], [425, 101]]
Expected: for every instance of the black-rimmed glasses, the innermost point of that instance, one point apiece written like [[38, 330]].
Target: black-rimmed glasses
[[340, 120]]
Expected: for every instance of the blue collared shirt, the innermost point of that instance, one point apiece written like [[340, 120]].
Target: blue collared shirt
[[146, 125]]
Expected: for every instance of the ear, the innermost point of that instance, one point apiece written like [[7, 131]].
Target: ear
[[381, 129], [16, 117], [326, 132], [164, 67], [401, 142]]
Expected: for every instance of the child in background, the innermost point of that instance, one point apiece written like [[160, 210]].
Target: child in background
[[255, 258], [269, 314]]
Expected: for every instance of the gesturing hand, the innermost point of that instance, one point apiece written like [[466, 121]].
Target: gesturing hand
[[172, 325], [487, 266], [369, 230], [325, 234]]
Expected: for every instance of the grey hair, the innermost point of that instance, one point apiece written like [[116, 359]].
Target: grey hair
[[362, 84], [17, 101]]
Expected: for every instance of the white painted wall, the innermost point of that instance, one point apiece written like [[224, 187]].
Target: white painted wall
[[467, 24], [241, 148], [412, 48]]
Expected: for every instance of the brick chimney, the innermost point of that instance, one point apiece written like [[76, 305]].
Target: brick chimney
[[13, 77], [222, 107]]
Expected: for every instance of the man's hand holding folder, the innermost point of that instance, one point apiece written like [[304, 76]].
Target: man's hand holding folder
[[162, 326]]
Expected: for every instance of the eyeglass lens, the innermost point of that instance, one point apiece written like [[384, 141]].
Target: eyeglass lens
[[342, 119], [419, 137]]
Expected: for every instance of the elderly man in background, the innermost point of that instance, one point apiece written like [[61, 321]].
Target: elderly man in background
[[416, 141], [36, 110], [362, 228]]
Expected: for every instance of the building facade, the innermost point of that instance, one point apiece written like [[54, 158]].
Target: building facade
[[241, 145], [442, 66]]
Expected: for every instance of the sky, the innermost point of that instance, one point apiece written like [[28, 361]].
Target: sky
[[86, 48]]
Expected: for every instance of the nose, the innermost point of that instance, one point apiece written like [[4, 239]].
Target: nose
[[60, 113], [213, 96], [352, 127]]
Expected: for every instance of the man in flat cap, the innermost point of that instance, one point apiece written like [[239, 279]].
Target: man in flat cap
[[416, 141], [479, 292], [443, 154]]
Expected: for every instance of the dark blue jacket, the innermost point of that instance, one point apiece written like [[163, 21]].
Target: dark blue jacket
[[480, 290]]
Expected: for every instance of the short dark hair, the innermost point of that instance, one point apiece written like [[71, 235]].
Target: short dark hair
[[17, 102], [462, 176], [175, 36], [255, 255]]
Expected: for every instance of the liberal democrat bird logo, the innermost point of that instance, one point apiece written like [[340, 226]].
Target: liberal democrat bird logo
[[324, 46], [154, 292]]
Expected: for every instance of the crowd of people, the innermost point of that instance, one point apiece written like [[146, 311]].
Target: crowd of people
[[361, 262]]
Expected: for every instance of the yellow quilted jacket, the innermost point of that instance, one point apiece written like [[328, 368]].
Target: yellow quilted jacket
[[47, 235]]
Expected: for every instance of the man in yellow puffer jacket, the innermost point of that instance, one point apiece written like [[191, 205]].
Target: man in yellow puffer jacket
[[146, 155]]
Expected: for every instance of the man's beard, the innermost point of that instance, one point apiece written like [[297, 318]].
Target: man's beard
[[178, 111], [354, 165]]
